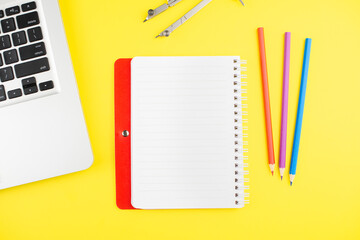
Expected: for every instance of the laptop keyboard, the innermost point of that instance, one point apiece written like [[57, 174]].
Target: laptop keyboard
[[24, 62]]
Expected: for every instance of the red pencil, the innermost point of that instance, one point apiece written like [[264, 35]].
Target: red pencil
[[264, 73]]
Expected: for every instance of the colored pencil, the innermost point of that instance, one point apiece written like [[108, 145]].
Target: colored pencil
[[300, 113], [285, 101], [264, 74]]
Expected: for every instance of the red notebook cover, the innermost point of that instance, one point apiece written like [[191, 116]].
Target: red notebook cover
[[122, 85]]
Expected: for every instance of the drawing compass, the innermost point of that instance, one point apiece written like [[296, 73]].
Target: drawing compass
[[166, 33]]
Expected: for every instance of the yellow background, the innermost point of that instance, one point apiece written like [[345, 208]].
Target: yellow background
[[324, 202]]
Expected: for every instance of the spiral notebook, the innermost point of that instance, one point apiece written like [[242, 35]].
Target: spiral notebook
[[179, 132]]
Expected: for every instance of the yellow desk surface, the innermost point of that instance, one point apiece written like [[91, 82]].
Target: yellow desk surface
[[324, 202]]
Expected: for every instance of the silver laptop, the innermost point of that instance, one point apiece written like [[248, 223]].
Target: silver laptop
[[42, 128]]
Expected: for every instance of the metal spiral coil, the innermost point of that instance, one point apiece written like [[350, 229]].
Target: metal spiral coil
[[240, 133]]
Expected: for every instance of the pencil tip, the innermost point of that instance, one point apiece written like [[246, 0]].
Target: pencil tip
[[281, 178], [290, 183], [272, 173]]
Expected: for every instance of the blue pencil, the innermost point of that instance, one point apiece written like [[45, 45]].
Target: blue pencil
[[300, 113]]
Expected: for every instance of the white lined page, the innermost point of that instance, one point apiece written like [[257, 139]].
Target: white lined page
[[182, 132]]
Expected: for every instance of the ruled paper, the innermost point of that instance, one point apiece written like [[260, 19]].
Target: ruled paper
[[182, 132]]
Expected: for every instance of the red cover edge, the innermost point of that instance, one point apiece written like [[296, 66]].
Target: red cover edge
[[122, 86]]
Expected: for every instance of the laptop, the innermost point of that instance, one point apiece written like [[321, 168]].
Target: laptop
[[42, 128]]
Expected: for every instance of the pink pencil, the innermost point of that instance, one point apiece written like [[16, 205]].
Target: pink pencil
[[285, 100]]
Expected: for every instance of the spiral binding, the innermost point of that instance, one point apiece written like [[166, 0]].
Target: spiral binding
[[240, 135]]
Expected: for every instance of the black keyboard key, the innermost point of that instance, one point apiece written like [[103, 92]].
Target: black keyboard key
[[28, 6], [2, 93], [32, 51], [29, 86], [28, 20], [8, 25], [2, 14], [6, 74], [19, 38], [5, 42], [12, 10], [31, 90], [31, 68], [1, 61], [28, 81], [15, 93], [11, 56], [46, 85], [35, 34]]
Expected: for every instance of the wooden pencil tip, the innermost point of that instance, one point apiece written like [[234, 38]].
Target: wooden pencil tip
[[272, 173], [281, 178], [290, 183]]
